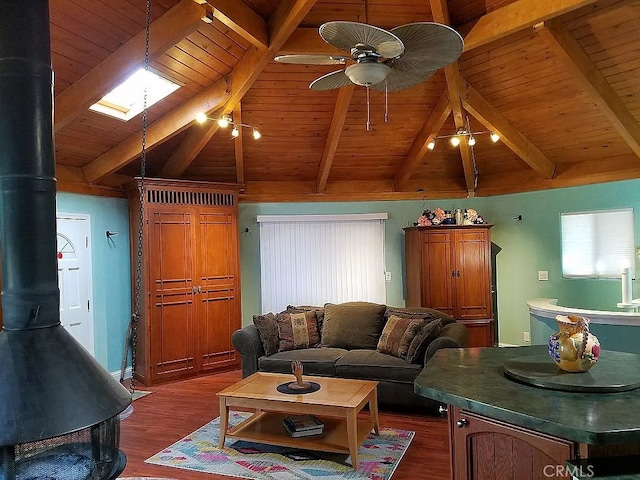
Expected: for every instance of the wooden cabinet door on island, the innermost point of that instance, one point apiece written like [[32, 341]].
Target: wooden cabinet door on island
[[190, 302], [448, 268], [482, 448]]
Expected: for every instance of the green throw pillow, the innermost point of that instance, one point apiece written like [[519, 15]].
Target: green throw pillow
[[352, 325]]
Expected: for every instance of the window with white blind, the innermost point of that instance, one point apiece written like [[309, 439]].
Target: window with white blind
[[598, 244], [318, 259]]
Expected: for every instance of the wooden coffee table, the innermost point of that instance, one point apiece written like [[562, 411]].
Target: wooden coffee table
[[337, 403]]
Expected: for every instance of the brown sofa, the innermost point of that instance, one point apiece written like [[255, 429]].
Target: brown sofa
[[345, 341]]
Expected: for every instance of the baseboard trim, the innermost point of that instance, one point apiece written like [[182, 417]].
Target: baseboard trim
[[501, 344], [127, 374]]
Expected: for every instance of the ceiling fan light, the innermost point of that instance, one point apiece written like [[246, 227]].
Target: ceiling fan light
[[494, 137], [368, 73], [431, 145], [455, 141]]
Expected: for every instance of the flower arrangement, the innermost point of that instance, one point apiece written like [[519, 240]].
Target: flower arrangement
[[444, 217]]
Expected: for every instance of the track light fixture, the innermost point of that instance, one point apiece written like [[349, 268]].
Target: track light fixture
[[457, 137], [225, 120]]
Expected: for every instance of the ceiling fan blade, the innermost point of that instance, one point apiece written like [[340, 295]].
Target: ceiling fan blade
[[428, 46], [399, 80], [312, 59], [346, 35], [330, 81]]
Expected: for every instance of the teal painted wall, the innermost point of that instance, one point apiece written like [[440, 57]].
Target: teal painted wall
[[111, 267], [526, 246]]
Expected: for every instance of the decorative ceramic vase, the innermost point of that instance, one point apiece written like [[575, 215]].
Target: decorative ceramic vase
[[573, 348]]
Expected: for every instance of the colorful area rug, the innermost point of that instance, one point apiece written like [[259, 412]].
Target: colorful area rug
[[378, 456]]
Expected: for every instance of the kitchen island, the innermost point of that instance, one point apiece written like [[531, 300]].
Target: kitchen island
[[500, 428]]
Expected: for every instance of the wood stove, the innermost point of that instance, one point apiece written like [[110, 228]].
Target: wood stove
[[59, 409]]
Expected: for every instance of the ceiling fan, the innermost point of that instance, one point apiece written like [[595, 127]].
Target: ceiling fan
[[383, 60]]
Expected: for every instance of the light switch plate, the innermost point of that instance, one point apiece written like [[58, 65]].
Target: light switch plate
[[543, 275], [387, 276]]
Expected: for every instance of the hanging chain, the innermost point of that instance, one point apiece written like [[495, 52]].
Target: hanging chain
[[143, 167]]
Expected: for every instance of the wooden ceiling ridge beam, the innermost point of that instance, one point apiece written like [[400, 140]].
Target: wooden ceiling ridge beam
[[566, 47], [427, 133], [515, 17], [440, 13], [335, 130], [489, 116], [165, 32], [284, 20], [162, 129], [504, 21], [241, 19]]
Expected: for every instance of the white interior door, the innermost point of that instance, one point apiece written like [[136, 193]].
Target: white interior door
[[74, 277]]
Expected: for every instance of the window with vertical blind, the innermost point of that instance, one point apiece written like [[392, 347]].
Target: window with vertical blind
[[318, 259], [598, 244]]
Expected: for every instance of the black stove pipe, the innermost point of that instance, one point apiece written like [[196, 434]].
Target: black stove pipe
[[49, 384]]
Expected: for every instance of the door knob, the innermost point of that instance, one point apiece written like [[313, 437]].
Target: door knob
[[463, 422], [442, 410]]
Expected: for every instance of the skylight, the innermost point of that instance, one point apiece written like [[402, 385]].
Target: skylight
[[127, 99]]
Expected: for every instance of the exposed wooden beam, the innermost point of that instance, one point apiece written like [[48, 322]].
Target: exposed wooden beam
[[306, 40], [344, 191], [175, 121], [70, 179], [237, 117], [492, 26], [513, 18], [574, 57], [427, 133], [440, 13], [241, 19], [509, 135], [284, 20], [335, 130], [184, 154], [177, 23]]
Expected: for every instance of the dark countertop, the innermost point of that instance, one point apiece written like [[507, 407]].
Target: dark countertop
[[472, 379]]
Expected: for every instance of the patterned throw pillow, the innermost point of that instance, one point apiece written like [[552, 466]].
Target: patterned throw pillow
[[398, 334], [430, 329], [268, 330], [297, 330]]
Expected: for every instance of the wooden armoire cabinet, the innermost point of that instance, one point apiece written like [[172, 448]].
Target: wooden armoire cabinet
[[448, 268], [190, 292]]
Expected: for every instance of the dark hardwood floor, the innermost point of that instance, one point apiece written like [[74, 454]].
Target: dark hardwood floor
[[175, 410]]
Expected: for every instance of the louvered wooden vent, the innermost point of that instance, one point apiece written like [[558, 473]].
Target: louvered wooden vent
[[181, 197]]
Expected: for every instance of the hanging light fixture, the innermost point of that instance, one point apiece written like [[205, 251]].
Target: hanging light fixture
[[455, 140], [432, 144], [457, 137], [225, 120], [472, 141], [494, 137]]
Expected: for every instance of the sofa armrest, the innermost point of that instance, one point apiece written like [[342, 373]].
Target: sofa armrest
[[453, 335], [247, 342]]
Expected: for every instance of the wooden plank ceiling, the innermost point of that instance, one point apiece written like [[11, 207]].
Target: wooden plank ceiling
[[558, 80]]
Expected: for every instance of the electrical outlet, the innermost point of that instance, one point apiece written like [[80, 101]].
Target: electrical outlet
[[526, 337], [387, 276], [543, 275]]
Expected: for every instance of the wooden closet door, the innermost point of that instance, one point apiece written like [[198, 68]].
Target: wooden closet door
[[171, 325], [437, 271], [473, 277], [218, 289]]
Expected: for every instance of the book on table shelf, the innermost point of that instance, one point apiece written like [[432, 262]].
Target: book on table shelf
[[303, 425]]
